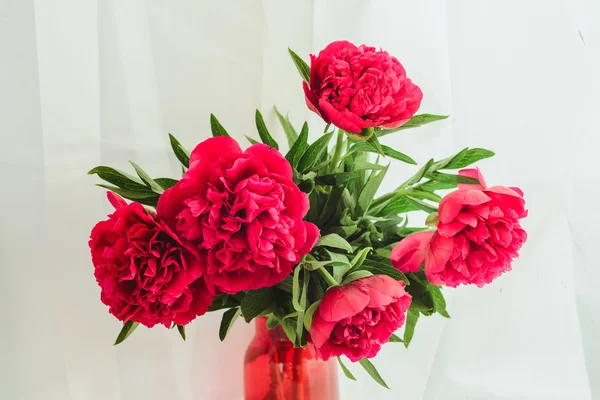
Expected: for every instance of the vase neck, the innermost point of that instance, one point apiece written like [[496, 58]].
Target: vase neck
[[276, 333]]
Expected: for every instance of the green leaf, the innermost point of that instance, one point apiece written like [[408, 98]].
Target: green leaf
[[361, 165], [398, 205], [412, 316], [180, 152], [302, 66], [286, 285], [314, 152], [264, 134], [421, 205], [252, 141], [419, 175], [166, 183], [119, 178], [130, 194], [414, 122], [272, 321], [181, 330], [299, 147], [335, 179], [468, 157], [296, 289], [374, 142], [386, 150], [340, 270], [381, 268], [395, 339], [227, 321], [334, 240], [300, 337], [216, 127], [368, 192], [156, 188], [310, 312], [127, 330], [439, 303], [256, 302], [371, 370], [453, 179], [289, 130], [346, 370], [355, 276], [360, 258], [430, 186], [221, 301]]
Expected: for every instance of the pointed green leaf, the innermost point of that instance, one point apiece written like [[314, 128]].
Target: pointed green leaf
[[216, 127], [263, 132], [256, 302], [334, 240], [368, 192], [252, 141], [469, 157], [180, 152], [414, 122], [313, 152], [166, 183], [346, 370], [298, 148], [296, 289], [361, 165], [119, 178], [290, 132], [301, 65], [360, 258], [384, 150], [227, 321], [412, 316], [395, 339], [355, 276], [439, 303], [421, 205], [383, 268], [372, 371], [308, 315], [335, 179], [374, 142], [181, 330], [398, 205], [450, 178], [130, 194], [300, 337], [156, 188], [126, 331], [431, 186]]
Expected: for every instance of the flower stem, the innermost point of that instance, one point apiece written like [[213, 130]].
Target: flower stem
[[327, 276], [338, 150]]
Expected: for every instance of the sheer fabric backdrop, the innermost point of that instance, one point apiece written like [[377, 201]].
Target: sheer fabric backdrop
[[90, 82]]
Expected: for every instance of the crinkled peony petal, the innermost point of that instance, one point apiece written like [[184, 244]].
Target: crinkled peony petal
[[312, 102], [312, 235], [214, 148], [452, 203], [383, 290], [409, 254], [320, 330], [271, 159], [341, 302]]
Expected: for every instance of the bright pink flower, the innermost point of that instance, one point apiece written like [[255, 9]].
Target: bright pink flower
[[478, 234], [358, 87], [409, 254], [356, 319], [242, 212], [145, 273]]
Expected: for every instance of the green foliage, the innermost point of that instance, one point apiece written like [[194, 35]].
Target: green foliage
[[372, 371], [257, 302], [290, 132], [180, 152], [414, 122], [263, 132], [216, 127], [301, 66], [227, 321], [126, 331], [346, 370]]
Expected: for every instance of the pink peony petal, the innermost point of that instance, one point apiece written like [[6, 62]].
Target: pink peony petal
[[271, 159], [320, 330], [116, 200], [383, 290], [343, 119], [341, 302], [409, 254], [214, 148], [439, 253], [452, 203], [472, 173]]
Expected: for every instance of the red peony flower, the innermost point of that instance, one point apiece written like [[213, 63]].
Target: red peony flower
[[357, 318], [145, 273], [478, 235], [358, 87], [242, 212]]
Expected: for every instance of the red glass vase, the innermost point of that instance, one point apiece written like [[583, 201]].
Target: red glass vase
[[275, 370]]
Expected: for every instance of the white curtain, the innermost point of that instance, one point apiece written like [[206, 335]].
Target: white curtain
[[100, 82]]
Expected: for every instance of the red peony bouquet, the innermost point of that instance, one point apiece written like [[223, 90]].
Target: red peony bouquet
[[303, 238]]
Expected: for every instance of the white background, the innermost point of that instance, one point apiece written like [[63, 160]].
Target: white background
[[89, 82]]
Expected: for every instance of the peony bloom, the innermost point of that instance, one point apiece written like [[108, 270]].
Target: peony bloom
[[478, 235], [358, 87], [242, 212], [357, 318], [409, 254], [145, 273]]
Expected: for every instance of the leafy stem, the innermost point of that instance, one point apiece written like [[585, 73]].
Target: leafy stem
[[327, 276], [337, 151]]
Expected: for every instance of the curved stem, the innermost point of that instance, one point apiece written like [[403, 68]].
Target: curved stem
[[327, 276], [337, 151]]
